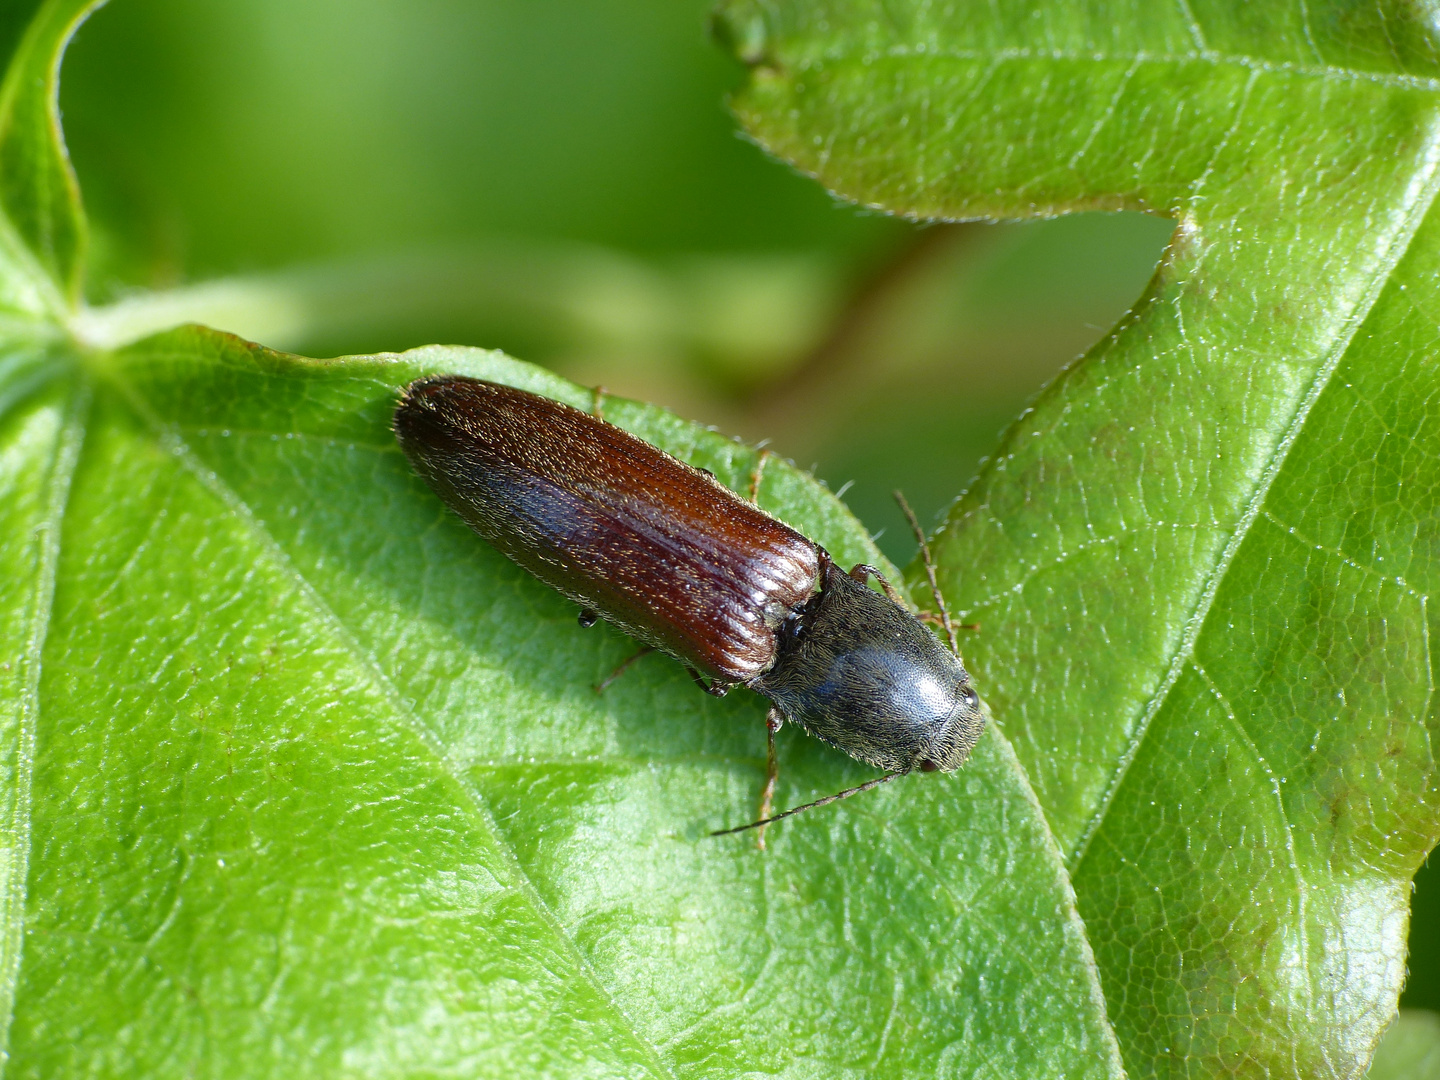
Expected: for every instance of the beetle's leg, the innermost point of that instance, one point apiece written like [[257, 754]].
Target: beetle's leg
[[860, 571], [929, 618], [597, 409], [868, 785], [757, 472], [929, 570], [623, 667], [714, 689], [774, 720]]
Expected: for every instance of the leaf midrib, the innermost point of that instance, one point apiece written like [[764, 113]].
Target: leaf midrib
[[1420, 206], [63, 467], [169, 439], [1008, 54]]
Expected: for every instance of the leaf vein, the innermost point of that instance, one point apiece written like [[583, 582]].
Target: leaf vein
[[1324, 72], [1302, 891], [1419, 197], [171, 440], [304, 436], [1192, 24], [66, 461], [1300, 538], [1036, 569], [1104, 117]]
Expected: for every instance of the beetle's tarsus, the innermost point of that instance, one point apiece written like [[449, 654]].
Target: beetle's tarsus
[[715, 688], [774, 720], [929, 618], [756, 473]]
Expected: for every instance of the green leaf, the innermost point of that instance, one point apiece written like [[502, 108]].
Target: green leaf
[[315, 775], [1204, 559], [344, 794], [40, 217], [40, 421], [1410, 1049], [297, 772], [39, 440], [298, 775]]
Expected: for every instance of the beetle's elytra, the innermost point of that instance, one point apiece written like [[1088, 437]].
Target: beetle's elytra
[[672, 557]]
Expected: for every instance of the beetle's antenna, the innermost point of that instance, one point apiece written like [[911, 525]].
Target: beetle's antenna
[[811, 805], [929, 570]]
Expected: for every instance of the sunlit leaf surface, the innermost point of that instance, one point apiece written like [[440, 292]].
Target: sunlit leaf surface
[[1204, 560], [299, 777]]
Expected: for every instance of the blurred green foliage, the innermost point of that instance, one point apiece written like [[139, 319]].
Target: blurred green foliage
[[1422, 989], [562, 181], [247, 134], [1410, 1050]]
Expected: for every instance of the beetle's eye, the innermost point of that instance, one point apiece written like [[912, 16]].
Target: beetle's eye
[[929, 766], [971, 699]]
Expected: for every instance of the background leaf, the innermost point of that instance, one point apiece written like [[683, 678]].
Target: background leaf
[[1410, 1049], [579, 198], [39, 426], [38, 194], [1203, 560], [390, 126]]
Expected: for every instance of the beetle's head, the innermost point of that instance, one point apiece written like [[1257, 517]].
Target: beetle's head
[[860, 672]]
